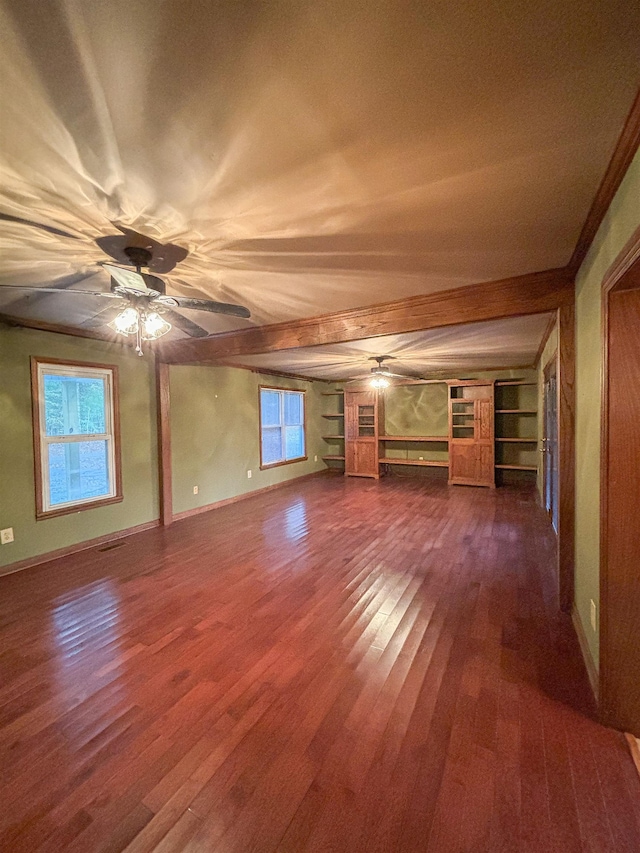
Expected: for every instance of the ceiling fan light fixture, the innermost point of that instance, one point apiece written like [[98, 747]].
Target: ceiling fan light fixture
[[126, 323], [145, 325], [154, 326]]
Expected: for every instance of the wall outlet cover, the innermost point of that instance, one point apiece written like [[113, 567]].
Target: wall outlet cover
[[248, 475], [195, 490], [6, 536]]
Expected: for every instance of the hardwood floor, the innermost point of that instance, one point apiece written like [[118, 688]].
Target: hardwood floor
[[341, 665]]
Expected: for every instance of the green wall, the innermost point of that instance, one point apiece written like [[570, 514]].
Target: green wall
[[423, 410], [215, 438], [137, 417], [622, 218], [416, 410]]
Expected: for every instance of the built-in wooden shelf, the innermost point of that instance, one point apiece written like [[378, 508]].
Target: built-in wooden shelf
[[332, 437], [333, 416], [333, 457], [516, 411], [332, 393], [503, 382], [520, 440], [517, 467], [426, 463], [443, 438]]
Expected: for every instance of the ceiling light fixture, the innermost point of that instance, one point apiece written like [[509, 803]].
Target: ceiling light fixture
[[145, 325], [379, 382]]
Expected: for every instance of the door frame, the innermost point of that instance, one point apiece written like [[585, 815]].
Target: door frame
[[623, 274], [551, 366]]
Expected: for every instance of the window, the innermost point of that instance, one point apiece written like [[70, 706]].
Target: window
[[282, 437], [75, 421]]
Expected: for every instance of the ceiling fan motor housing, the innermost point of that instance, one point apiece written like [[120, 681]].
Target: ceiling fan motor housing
[[139, 256]]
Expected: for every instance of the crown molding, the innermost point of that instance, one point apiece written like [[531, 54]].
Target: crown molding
[[624, 152]]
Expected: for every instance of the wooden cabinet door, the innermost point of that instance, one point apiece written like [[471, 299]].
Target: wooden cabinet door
[[484, 420], [484, 440], [485, 465], [365, 461], [463, 463]]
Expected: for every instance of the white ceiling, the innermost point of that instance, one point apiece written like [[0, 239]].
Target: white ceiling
[[310, 156], [446, 352]]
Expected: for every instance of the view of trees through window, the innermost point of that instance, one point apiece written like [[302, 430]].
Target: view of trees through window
[[74, 404], [78, 470], [281, 425]]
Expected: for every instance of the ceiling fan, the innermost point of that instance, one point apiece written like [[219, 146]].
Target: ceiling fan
[[143, 308], [380, 374]]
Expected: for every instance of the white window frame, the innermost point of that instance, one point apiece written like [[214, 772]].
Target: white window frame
[[42, 441], [282, 426]]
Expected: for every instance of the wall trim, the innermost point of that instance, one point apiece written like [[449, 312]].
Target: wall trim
[[626, 258], [187, 513], [623, 273], [592, 670], [547, 334], [623, 154], [634, 748], [566, 372], [68, 550], [59, 329], [267, 371], [163, 428]]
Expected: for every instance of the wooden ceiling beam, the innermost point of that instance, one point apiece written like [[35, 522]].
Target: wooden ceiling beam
[[535, 293]]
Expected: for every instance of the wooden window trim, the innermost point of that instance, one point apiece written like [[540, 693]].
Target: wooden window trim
[[261, 388], [41, 514]]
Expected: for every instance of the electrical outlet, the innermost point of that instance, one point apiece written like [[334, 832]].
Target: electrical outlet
[[315, 458], [195, 490], [248, 475], [6, 536], [421, 458], [594, 615]]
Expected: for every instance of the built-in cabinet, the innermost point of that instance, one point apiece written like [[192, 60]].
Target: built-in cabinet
[[471, 448], [491, 428], [363, 411], [516, 425]]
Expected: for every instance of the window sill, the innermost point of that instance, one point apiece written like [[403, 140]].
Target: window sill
[[287, 462], [68, 510]]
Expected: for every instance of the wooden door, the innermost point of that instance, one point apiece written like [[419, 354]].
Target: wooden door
[[361, 434], [620, 530]]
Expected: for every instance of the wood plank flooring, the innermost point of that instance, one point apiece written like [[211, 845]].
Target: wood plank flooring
[[338, 665]]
